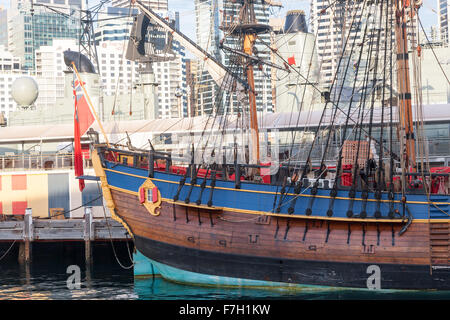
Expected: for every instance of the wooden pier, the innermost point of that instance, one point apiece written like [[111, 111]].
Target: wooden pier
[[31, 230]]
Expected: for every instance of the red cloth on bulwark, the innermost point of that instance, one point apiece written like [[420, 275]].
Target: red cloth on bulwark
[[440, 170], [233, 177], [438, 183], [265, 172], [435, 185]]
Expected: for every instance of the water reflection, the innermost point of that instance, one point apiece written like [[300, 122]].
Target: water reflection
[[45, 285], [159, 289], [109, 282]]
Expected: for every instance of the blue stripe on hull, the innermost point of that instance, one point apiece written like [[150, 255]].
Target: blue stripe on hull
[[260, 201]]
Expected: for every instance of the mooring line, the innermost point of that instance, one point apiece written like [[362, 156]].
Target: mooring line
[[110, 239], [4, 255]]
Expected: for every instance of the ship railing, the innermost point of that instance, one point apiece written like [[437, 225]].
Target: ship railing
[[233, 171], [435, 147], [56, 161]]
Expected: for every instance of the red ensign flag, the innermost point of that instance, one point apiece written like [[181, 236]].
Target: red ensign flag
[[83, 119]]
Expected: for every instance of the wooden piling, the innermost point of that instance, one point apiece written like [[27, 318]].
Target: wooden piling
[[25, 249], [88, 235]]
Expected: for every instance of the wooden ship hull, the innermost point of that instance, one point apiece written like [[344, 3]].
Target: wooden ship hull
[[217, 234]]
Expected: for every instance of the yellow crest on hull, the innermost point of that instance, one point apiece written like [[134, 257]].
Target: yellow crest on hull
[[150, 197]]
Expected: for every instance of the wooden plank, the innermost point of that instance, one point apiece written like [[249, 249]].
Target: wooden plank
[[439, 231], [104, 224], [58, 234], [440, 242], [102, 234], [58, 224], [438, 237], [11, 234], [106, 228], [440, 262], [439, 226], [62, 230], [439, 256], [11, 224], [437, 249], [72, 223]]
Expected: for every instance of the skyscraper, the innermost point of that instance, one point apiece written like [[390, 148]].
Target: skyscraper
[[262, 73], [341, 27], [443, 26], [9, 72], [114, 24], [328, 23], [50, 68], [3, 26], [212, 17], [208, 37], [152, 4], [29, 29]]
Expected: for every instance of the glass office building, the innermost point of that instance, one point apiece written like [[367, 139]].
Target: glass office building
[[115, 24], [212, 17], [442, 6], [3, 27], [27, 32]]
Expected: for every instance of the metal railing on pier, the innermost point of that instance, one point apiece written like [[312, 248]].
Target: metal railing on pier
[[39, 162]]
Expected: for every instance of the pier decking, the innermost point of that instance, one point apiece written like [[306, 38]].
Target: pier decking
[[60, 230], [39, 230]]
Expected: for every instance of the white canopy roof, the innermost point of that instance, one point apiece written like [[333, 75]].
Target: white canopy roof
[[61, 132]]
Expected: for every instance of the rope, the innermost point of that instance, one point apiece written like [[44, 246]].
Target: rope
[[131, 6], [68, 211], [432, 50], [10, 247], [434, 204], [112, 243], [107, 223]]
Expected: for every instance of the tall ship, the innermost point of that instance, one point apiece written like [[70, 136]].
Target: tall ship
[[229, 209]]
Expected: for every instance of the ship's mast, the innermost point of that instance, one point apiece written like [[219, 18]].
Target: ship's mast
[[404, 11], [248, 45], [247, 29]]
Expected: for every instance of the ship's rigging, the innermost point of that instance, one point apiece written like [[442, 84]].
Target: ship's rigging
[[349, 191], [392, 17], [245, 57]]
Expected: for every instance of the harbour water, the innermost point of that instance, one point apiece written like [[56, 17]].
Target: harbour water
[[116, 284]]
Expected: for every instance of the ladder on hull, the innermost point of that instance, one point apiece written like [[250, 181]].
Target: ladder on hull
[[439, 233], [439, 243]]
